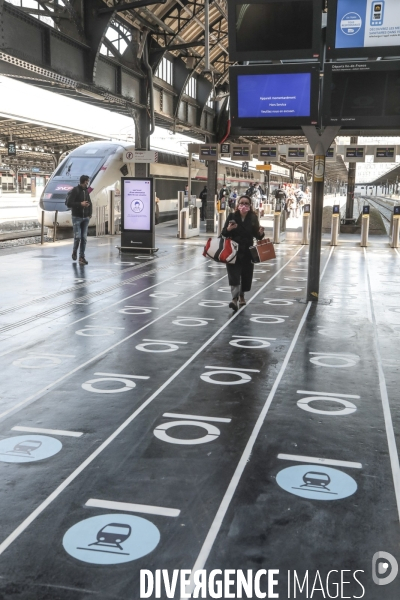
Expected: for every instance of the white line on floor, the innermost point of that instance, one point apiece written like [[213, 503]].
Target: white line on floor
[[321, 461], [196, 418], [129, 507], [48, 431]]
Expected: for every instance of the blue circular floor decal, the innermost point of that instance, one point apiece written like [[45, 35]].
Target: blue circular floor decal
[[28, 448], [111, 539], [316, 482]]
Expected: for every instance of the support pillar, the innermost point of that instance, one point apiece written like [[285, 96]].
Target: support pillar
[[211, 193], [351, 182]]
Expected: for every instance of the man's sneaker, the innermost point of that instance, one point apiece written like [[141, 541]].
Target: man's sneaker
[[74, 256], [83, 261]]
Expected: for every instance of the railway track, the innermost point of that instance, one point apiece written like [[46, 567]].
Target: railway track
[[379, 203]]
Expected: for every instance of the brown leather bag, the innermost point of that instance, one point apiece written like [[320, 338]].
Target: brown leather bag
[[263, 251]]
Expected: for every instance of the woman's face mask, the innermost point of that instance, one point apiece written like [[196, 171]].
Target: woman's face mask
[[244, 208]]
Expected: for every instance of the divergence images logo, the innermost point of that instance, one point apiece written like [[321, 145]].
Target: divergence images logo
[[137, 206], [384, 568]]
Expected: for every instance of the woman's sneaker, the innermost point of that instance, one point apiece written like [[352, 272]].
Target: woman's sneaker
[[83, 261]]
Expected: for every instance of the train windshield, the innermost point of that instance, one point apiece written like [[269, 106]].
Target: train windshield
[[75, 166], [116, 529]]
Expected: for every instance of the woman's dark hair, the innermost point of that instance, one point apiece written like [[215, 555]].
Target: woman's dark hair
[[247, 198]]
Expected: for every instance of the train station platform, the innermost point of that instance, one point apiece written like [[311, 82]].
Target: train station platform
[[145, 427]]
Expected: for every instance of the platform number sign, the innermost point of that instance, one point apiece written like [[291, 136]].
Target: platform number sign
[[245, 167], [12, 149]]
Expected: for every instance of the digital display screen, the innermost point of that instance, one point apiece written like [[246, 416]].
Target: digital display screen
[[268, 29], [396, 210], [331, 152], [366, 210], [225, 148], [240, 151], [265, 26], [268, 152], [367, 23], [365, 94], [354, 25], [12, 149], [354, 153], [307, 208], [294, 152], [389, 152], [336, 209], [137, 205], [274, 95]]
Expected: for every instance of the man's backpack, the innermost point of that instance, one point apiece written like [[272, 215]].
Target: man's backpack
[[69, 198]]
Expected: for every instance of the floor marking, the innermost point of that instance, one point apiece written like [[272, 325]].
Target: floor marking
[[251, 337], [322, 461], [127, 506], [50, 431], [120, 375], [234, 369], [328, 394], [394, 457], [223, 508], [196, 418], [14, 349], [39, 509], [48, 387], [164, 341]]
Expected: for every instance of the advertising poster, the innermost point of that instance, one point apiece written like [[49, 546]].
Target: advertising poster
[[274, 95], [137, 204], [367, 23]]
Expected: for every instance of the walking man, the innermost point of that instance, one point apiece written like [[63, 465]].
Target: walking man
[[81, 209]]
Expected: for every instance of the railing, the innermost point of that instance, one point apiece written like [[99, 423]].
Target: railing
[[100, 220]]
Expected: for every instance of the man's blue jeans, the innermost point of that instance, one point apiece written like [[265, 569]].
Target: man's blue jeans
[[80, 226]]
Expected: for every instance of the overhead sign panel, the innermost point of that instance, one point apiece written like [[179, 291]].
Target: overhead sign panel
[[12, 149], [268, 152], [297, 154], [331, 154], [225, 150], [140, 156], [209, 151], [274, 29], [241, 151], [385, 154], [274, 96], [359, 28], [362, 94], [354, 154]]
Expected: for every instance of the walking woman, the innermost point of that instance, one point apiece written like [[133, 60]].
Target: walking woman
[[242, 226]]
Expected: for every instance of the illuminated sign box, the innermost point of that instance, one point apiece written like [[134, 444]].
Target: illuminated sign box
[[225, 150], [331, 154], [137, 204], [274, 29], [354, 154], [268, 152], [209, 152], [385, 154], [360, 28], [240, 151], [274, 96], [296, 154]]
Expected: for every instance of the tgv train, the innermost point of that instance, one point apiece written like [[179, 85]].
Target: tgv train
[[104, 163]]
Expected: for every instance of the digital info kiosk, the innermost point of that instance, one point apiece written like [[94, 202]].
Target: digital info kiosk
[[137, 213]]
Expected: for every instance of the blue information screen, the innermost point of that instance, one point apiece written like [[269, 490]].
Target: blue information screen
[[367, 23], [274, 95]]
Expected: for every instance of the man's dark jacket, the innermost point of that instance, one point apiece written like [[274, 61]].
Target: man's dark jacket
[[78, 195]]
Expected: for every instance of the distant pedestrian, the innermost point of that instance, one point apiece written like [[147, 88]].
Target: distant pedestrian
[[203, 198], [157, 215], [81, 209]]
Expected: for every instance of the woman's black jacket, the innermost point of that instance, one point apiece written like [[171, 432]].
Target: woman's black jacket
[[244, 233]]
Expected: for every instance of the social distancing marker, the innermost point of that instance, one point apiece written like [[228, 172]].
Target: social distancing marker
[[277, 302], [164, 295], [316, 482], [242, 374], [40, 360], [268, 319], [196, 417], [128, 384], [345, 406], [111, 539], [28, 448], [137, 310], [246, 341], [97, 331], [192, 321], [334, 360], [212, 432], [214, 303], [166, 345], [288, 288]]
